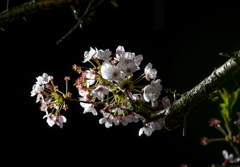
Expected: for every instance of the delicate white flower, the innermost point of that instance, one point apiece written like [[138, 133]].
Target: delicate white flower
[[39, 97], [88, 55], [165, 102], [125, 120], [138, 60], [90, 76], [146, 129], [129, 67], [157, 124], [88, 107], [50, 119], [120, 50], [150, 93], [156, 84], [154, 103], [44, 79], [103, 55], [36, 89], [135, 97], [106, 119], [229, 158], [99, 92], [60, 119], [149, 72], [110, 72], [45, 104], [134, 118]]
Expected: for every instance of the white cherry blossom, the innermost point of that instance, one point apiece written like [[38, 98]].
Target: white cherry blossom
[[157, 124], [50, 119], [106, 120], [103, 55], [88, 107], [90, 76], [229, 158], [99, 92], [120, 50], [165, 102], [36, 89], [149, 72], [128, 67], [146, 129], [88, 55], [150, 93], [110, 72], [156, 84], [44, 79]]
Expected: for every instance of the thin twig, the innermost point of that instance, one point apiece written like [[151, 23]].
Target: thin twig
[[79, 23]]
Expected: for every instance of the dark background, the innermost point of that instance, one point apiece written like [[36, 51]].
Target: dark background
[[182, 42]]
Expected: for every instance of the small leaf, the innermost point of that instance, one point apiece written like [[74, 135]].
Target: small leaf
[[224, 113], [234, 97], [223, 105], [224, 95], [114, 3]]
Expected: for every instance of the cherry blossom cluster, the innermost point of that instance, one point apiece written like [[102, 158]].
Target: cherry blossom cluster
[[110, 81], [51, 98]]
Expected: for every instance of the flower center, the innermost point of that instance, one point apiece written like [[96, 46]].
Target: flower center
[[114, 74], [128, 70]]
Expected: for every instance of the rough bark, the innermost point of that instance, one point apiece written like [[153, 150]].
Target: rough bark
[[175, 113], [28, 8]]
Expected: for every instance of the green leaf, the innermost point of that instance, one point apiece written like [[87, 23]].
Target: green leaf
[[115, 3], [224, 113], [224, 95], [223, 105], [233, 98]]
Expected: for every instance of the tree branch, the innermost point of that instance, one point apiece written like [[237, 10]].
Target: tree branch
[[28, 8], [177, 110], [84, 8]]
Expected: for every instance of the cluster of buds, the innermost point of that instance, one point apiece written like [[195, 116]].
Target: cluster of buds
[[51, 98]]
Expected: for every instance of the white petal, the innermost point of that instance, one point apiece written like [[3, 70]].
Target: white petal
[[140, 132], [108, 124], [236, 160], [102, 120], [225, 154]]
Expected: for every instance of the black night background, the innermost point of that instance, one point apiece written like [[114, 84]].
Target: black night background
[[182, 39]]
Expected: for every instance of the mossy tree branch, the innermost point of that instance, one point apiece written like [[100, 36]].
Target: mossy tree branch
[[175, 112]]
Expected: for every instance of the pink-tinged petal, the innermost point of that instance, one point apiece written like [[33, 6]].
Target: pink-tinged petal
[[235, 160], [120, 50], [225, 154], [59, 124], [148, 131], [154, 103]]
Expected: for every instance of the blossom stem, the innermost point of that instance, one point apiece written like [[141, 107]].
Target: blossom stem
[[92, 63], [217, 139], [66, 88], [139, 79], [98, 63], [221, 130], [136, 90]]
